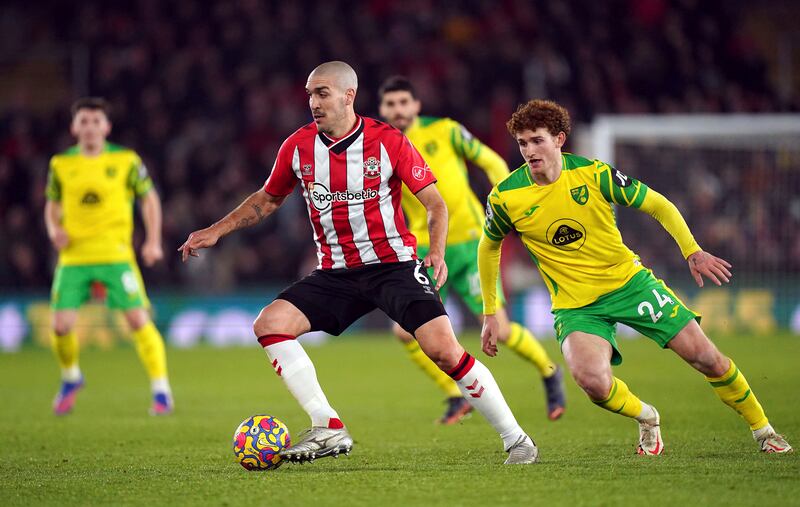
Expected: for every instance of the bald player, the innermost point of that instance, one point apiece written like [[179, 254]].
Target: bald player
[[351, 169]]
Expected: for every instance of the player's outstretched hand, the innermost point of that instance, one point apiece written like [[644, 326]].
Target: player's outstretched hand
[[152, 252], [204, 238], [439, 268], [704, 264], [489, 335]]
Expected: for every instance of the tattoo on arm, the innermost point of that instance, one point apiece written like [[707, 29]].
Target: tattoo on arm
[[247, 221], [244, 222], [258, 211]]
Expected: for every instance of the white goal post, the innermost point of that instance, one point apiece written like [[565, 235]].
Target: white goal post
[[598, 139]]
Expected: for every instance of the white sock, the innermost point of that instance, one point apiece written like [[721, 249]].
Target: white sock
[[482, 392], [160, 385], [762, 432], [647, 414], [295, 368], [71, 374]]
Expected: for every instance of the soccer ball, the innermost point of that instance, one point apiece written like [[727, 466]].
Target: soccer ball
[[258, 441]]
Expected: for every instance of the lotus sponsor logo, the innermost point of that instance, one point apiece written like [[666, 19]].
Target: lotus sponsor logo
[[566, 234], [322, 198], [90, 198]]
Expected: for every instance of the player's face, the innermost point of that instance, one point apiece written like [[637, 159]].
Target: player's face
[[328, 103], [540, 149], [90, 127], [399, 108]]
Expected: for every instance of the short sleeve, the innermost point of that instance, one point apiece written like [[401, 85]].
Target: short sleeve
[[282, 180], [138, 178], [618, 188], [410, 167], [498, 223], [53, 189]]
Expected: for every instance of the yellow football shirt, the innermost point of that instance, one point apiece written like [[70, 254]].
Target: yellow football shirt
[[570, 230], [96, 195], [445, 145]]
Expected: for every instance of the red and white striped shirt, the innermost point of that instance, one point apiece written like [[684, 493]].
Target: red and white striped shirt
[[352, 187]]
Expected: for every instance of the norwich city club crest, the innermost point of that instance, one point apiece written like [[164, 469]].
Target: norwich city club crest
[[580, 194]]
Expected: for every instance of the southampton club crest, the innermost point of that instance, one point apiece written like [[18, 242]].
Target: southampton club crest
[[372, 168], [580, 194], [307, 170]]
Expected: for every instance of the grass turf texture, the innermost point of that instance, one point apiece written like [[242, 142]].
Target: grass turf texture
[[109, 451]]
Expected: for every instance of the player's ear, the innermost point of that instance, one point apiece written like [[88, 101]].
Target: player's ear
[[349, 97], [417, 106], [561, 138]]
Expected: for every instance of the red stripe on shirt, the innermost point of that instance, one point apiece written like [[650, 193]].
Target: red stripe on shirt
[[372, 210]]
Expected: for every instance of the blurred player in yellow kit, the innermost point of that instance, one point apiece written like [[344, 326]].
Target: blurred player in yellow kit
[[562, 206], [91, 189], [447, 146]]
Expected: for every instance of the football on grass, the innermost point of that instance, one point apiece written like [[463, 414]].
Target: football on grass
[[258, 441]]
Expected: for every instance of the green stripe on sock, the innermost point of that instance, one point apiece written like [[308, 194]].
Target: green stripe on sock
[[620, 408], [723, 383], [611, 395], [743, 397]]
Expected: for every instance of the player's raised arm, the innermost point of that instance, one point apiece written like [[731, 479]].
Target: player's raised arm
[[437, 230], [256, 207], [618, 188], [700, 263]]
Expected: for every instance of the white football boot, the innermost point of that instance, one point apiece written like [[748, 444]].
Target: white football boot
[[771, 442], [650, 443], [522, 452], [319, 442]]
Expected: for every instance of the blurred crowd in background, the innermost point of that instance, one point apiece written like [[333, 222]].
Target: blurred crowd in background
[[206, 92], [742, 204]]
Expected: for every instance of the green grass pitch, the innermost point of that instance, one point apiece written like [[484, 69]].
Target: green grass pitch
[[110, 452]]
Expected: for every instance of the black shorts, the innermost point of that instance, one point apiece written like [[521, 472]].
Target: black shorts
[[335, 298]]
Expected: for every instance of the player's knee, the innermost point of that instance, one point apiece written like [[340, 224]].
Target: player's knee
[[61, 328], [504, 333], [137, 318], [711, 363], [265, 324], [62, 323], [272, 321], [445, 355], [595, 383]]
